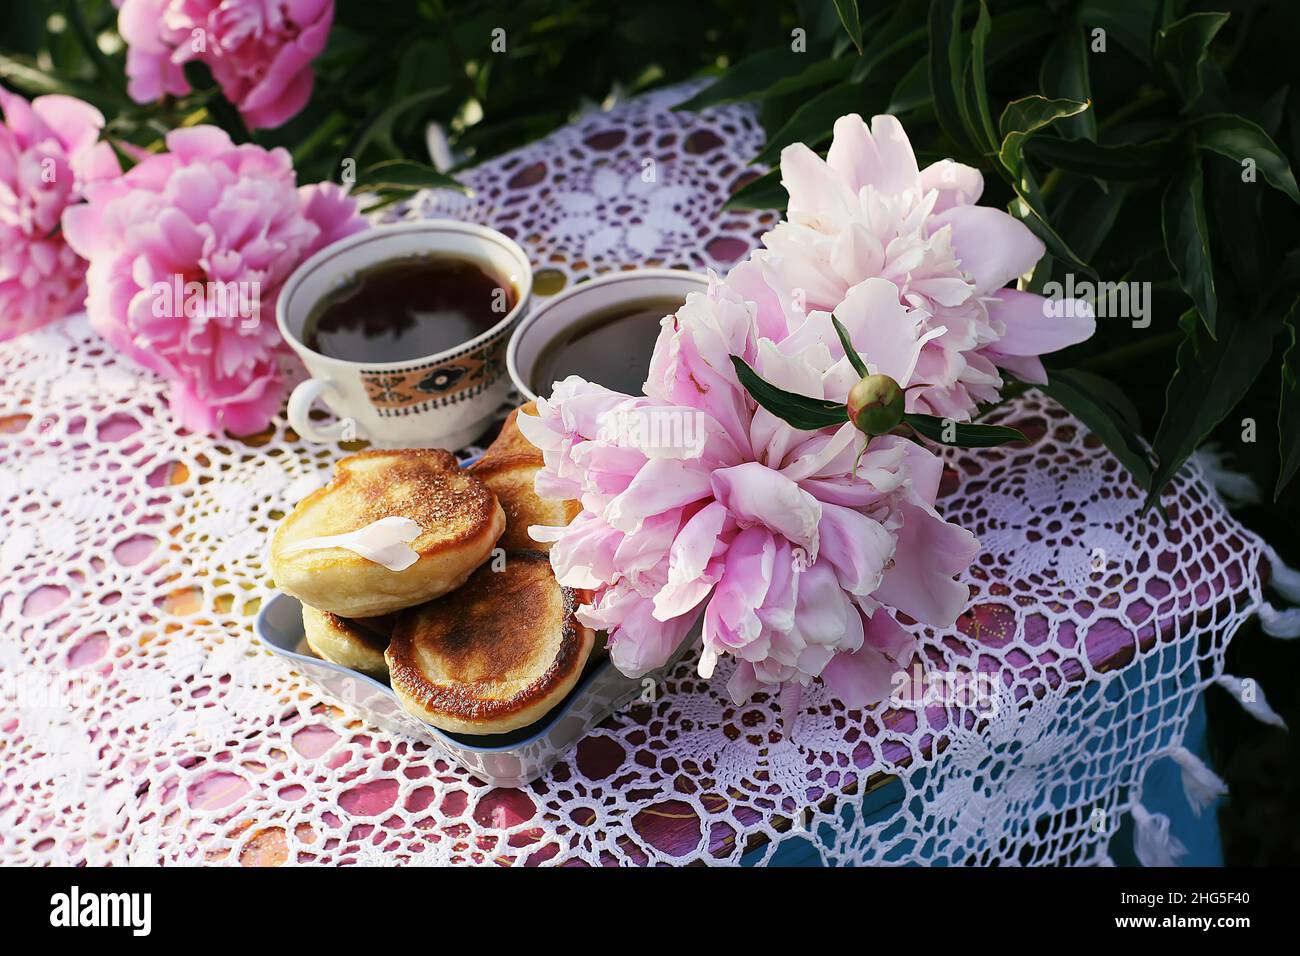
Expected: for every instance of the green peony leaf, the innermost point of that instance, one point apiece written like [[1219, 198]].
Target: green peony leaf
[[1182, 47], [1241, 140], [378, 127], [800, 411], [1021, 31], [751, 75], [32, 79], [1211, 378], [905, 28], [913, 90], [1064, 74], [965, 434], [1105, 413], [224, 113], [984, 130], [1087, 214], [1187, 238], [848, 11], [819, 73], [1131, 23], [765, 192], [854, 358], [1028, 208], [1103, 391], [948, 68], [1288, 413], [1024, 117], [812, 122], [402, 175], [1127, 162]]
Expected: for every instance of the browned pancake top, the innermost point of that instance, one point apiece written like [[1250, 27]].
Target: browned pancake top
[[498, 644], [510, 442], [507, 468], [426, 485], [511, 480]]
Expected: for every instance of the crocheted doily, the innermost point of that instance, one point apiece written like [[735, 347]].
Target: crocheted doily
[[141, 722]]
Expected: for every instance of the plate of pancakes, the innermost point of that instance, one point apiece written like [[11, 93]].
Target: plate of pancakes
[[412, 591]]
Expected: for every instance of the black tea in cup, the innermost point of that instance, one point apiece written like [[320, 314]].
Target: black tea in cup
[[408, 308]]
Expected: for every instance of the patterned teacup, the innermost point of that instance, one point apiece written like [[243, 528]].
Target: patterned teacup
[[445, 400]]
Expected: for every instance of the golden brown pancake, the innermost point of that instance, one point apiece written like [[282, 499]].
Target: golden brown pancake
[[493, 656], [510, 442], [459, 519], [358, 644], [508, 468], [511, 480]]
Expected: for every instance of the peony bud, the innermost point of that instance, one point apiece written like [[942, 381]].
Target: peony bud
[[876, 404]]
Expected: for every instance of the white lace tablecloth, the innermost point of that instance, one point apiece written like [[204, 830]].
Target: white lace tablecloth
[[140, 722]]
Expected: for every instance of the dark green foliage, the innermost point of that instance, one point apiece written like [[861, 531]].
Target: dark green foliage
[[393, 66], [1143, 141]]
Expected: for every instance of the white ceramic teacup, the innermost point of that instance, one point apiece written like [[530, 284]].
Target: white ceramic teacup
[[445, 400], [574, 304]]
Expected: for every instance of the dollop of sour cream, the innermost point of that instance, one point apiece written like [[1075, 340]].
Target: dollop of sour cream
[[386, 541]]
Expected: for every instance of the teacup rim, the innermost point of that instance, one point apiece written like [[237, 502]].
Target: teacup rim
[[578, 288], [376, 233]]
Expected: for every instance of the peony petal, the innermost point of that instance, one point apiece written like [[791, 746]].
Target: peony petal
[[1027, 368], [818, 197], [744, 683], [930, 552], [76, 123], [695, 546], [881, 157], [870, 674], [583, 555], [84, 231], [857, 547], [885, 333], [993, 247], [755, 494], [663, 484], [637, 642], [956, 183], [824, 615], [731, 621], [788, 562], [1036, 326], [197, 142]]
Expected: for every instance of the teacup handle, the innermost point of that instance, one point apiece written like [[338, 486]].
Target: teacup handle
[[300, 403]]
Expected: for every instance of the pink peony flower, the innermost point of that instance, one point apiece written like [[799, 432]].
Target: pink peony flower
[[698, 502], [187, 253], [49, 150], [259, 51], [867, 211], [798, 548]]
